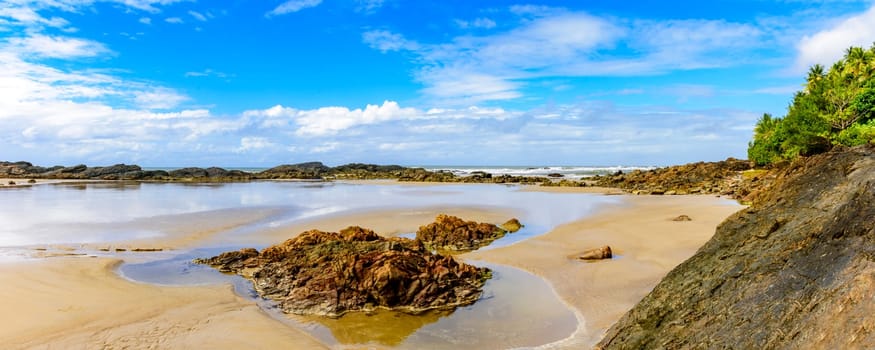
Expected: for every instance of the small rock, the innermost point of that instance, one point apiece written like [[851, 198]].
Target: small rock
[[11, 183], [597, 254], [682, 218], [512, 225]]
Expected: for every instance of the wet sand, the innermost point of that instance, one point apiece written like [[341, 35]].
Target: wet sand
[[80, 303], [648, 244], [70, 302]]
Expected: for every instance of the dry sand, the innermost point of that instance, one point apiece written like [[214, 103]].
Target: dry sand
[[82, 303]]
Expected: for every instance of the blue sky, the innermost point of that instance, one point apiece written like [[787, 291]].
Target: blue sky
[[260, 83]]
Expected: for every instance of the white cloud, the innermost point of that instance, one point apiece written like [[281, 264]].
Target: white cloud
[[198, 16], [159, 98], [174, 20], [331, 120], [484, 23], [325, 147], [145, 20], [44, 46], [828, 45], [369, 6], [465, 88], [553, 42], [207, 73], [253, 143], [385, 41], [293, 6], [536, 10]]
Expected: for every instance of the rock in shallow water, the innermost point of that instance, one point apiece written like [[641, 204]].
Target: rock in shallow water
[[331, 273], [450, 233], [512, 225]]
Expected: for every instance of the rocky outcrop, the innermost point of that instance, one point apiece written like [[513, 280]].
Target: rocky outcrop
[[309, 170], [331, 273], [795, 270], [725, 177], [303, 171], [452, 234]]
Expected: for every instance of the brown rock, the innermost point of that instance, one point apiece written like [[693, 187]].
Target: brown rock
[[146, 250], [450, 233], [331, 273], [597, 254], [682, 218], [512, 225]]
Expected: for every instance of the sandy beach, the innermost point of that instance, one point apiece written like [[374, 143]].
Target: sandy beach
[[646, 241], [78, 302]]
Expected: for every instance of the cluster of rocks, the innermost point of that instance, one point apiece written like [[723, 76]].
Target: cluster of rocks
[[730, 177], [301, 171], [331, 273], [118, 172], [794, 270], [422, 175], [452, 234]]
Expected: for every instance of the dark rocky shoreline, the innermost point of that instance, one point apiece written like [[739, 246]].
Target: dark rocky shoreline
[[796, 270], [731, 177]]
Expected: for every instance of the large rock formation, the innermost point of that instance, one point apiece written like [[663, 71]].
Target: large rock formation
[[331, 273], [723, 177], [450, 233], [796, 270]]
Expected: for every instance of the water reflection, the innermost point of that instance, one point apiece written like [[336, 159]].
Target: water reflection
[[81, 204], [382, 327], [517, 309]]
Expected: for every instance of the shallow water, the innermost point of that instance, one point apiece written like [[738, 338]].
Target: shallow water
[[96, 212], [518, 309]]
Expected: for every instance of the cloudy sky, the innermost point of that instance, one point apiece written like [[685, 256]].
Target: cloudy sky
[[259, 83]]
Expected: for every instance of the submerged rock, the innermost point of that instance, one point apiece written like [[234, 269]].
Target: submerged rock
[[331, 273], [795, 270], [597, 254], [450, 233]]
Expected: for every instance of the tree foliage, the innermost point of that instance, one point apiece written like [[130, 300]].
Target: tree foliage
[[836, 107]]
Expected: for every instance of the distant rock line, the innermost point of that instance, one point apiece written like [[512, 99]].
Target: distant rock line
[[731, 177]]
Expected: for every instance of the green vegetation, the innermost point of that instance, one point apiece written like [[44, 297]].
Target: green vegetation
[[836, 107]]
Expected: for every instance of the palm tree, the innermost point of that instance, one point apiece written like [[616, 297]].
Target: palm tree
[[815, 75]]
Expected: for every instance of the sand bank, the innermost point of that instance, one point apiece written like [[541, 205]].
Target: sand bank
[[648, 244], [76, 303]]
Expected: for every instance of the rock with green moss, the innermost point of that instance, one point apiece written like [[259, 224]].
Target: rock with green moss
[[331, 273]]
